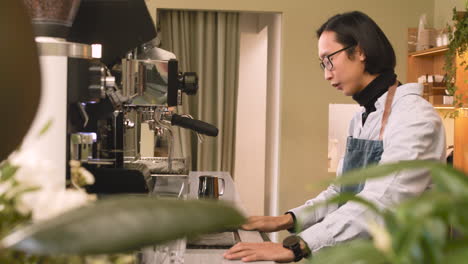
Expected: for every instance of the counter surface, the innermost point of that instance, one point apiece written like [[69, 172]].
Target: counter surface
[[215, 256]]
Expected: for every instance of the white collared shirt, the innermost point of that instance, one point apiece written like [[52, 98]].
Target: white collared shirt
[[414, 132]]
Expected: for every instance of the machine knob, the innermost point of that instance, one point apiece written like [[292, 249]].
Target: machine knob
[[99, 81], [109, 81], [188, 82], [97, 75]]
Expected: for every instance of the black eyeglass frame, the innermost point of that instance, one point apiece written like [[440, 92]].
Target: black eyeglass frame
[[323, 66]]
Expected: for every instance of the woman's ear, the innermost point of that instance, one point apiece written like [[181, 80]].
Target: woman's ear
[[360, 53]]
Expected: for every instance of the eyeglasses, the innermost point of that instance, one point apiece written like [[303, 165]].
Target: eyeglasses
[[326, 62]]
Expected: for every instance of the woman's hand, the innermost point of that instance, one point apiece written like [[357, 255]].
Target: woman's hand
[[269, 223], [259, 251]]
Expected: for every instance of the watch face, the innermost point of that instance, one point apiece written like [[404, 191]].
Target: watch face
[[291, 241]]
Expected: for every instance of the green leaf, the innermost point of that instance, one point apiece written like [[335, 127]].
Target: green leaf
[[45, 127], [431, 206], [7, 171], [444, 175], [358, 252], [433, 240], [456, 252], [458, 215], [428, 204], [423, 224], [21, 191], [391, 221], [349, 197], [419, 241], [381, 170], [405, 239], [121, 224], [450, 179]]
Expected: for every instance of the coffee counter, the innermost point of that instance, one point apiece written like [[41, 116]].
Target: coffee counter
[[215, 256]]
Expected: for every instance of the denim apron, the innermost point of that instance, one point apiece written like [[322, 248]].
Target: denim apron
[[363, 152]]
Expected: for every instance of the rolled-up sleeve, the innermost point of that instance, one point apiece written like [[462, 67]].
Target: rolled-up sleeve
[[305, 217]]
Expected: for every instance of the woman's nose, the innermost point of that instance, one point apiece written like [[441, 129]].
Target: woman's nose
[[328, 74]]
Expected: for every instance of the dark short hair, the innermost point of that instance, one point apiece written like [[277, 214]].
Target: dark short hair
[[356, 28]]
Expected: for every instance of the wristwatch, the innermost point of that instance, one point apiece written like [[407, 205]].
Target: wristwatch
[[293, 243]]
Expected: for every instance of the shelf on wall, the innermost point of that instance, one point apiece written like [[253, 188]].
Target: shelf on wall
[[442, 106], [450, 107], [429, 52]]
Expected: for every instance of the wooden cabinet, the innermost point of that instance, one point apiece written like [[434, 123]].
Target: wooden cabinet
[[428, 62], [431, 62], [461, 122]]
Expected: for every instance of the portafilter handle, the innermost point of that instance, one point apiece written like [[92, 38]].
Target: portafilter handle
[[195, 125]]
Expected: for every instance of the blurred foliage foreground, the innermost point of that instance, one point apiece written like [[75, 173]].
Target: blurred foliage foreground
[[104, 231], [415, 231], [419, 230]]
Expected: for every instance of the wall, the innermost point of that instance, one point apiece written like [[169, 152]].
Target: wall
[[305, 95], [338, 131], [251, 114], [443, 11], [273, 21]]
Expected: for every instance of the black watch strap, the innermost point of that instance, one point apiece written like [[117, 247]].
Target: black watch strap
[[293, 243]]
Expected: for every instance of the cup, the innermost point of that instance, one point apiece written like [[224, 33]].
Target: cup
[[172, 252], [168, 253], [171, 187], [208, 187]]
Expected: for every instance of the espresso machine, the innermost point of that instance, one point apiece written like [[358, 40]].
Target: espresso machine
[[101, 82]]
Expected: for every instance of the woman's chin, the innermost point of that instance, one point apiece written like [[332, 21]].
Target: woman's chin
[[347, 93]]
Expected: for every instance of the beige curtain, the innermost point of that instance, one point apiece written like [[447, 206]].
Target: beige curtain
[[206, 43]]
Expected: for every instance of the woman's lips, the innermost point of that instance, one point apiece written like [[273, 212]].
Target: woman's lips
[[337, 86]]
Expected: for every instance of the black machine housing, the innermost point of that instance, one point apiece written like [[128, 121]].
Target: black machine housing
[[119, 26]]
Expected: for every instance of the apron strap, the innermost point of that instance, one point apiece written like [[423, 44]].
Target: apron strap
[[388, 108]]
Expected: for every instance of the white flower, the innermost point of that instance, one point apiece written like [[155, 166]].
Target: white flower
[[79, 175], [51, 198], [381, 237], [47, 204], [87, 176], [74, 164], [5, 187], [35, 170]]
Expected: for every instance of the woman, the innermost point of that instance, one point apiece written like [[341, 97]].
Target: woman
[[395, 124]]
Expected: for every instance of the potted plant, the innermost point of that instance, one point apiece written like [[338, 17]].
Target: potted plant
[[457, 47], [415, 231]]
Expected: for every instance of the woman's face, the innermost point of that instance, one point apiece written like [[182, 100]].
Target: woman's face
[[348, 74]]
